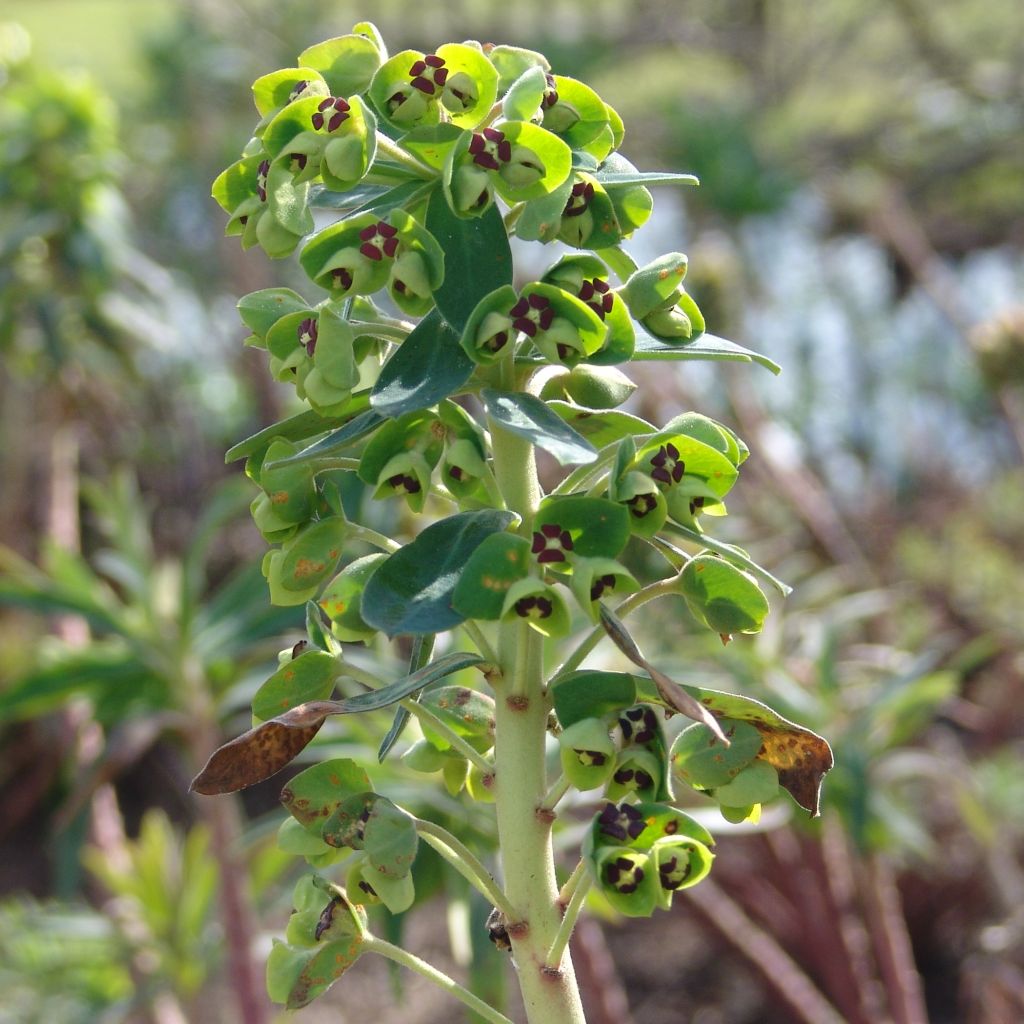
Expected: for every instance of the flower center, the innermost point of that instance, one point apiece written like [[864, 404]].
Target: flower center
[[673, 872], [579, 199], [490, 149], [262, 172], [429, 74], [379, 240], [531, 313], [624, 874], [534, 607], [643, 721], [597, 294], [333, 111], [622, 822], [297, 90], [403, 483], [600, 585], [307, 332], [550, 543], [667, 466]]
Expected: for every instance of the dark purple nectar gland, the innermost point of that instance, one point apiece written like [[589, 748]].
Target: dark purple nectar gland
[[600, 585], [590, 758], [326, 919], [379, 240], [641, 505], [621, 822], [550, 97], [550, 543], [643, 721], [597, 294], [429, 74], [333, 111], [534, 607], [696, 505], [579, 199], [673, 872], [666, 466], [307, 332], [403, 483], [341, 278], [297, 90], [636, 777], [490, 149], [297, 162], [531, 313], [367, 888], [456, 473], [624, 875], [262, 173]]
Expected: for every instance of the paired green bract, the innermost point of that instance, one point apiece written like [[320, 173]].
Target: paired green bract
[[419, 349]]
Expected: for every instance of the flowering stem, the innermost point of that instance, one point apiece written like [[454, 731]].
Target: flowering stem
[[372, 944], [378, 540], [524, 826], [401, 156], [561, 786], [483, 645], [465, 862], [572, 912]]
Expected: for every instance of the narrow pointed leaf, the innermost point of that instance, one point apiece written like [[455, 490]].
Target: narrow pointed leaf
[[702, 346], [295, 428], [671, 692], [394, 692], [336, 441]]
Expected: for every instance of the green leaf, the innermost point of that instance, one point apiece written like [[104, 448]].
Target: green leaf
[[310, 676], [599, 528], [529, 417], [608, 178], [721, 596], [347, 63], [412, 591], [477, 256], [603, 426], [314, 794], [311, 557], [429, 366], [701, 760], [394, 692], [501, 560], [261, 310], [296, 428], [591, 694], [701, 346], [466, 712], [336, 441]]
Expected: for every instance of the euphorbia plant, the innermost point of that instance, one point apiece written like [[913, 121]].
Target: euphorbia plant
[[426, 164]]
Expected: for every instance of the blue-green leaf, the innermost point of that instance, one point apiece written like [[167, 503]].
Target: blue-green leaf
[[477, 258], [429, 366], [702, 346], [531, 418], [412, 591]]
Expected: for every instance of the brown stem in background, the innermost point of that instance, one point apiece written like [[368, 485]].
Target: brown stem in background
[[839, 874], [223, 817], [604, 996], [782, 974], [884, 914]]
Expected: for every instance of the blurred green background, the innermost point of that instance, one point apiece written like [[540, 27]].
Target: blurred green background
[[860, 221]]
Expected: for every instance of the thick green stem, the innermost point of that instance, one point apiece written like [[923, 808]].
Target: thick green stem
[[550, 996], [371, 944]]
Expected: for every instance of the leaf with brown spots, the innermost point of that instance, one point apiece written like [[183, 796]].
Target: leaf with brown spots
[[262, 751], [266, 749], [800, 756]]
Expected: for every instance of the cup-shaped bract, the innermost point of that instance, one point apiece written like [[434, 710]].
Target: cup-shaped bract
[[587, 753], [341, 599], [722, 596], [597, 579], [538, 603], [456, 82]]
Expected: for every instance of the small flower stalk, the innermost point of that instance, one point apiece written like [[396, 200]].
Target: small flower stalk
[[402, 509]]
